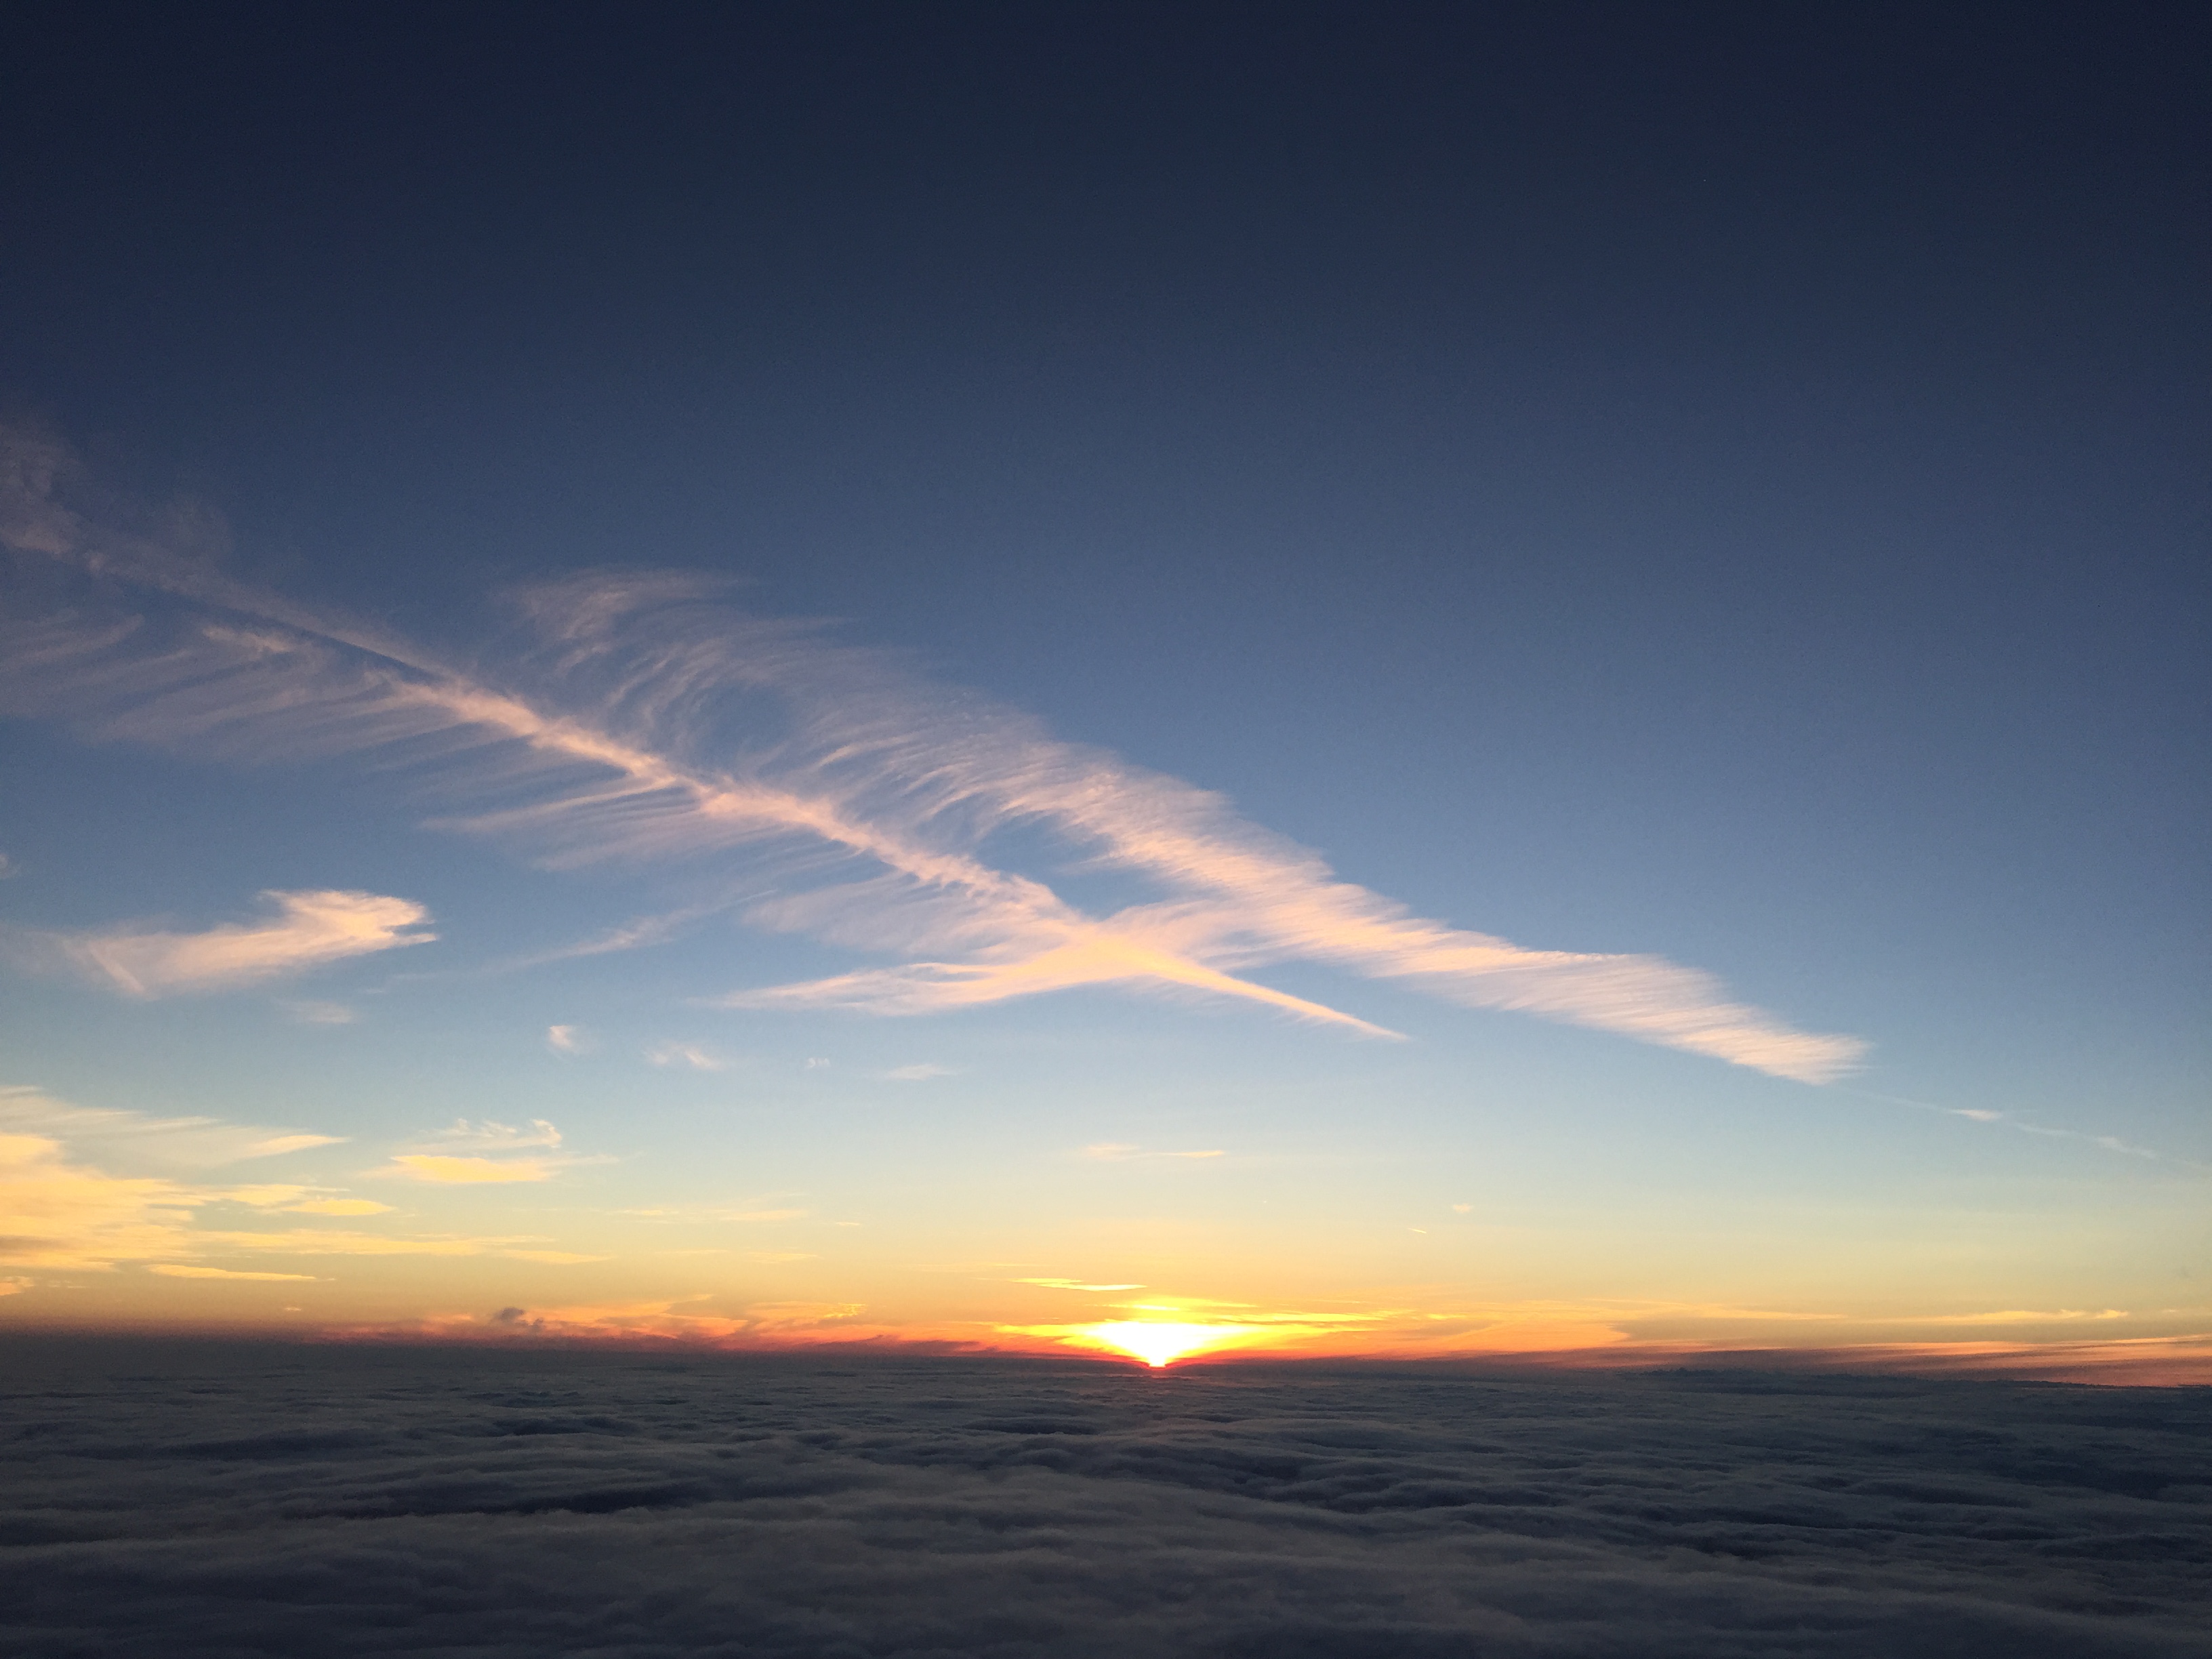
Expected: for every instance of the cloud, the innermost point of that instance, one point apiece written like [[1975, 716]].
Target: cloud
[[255, 1500], [2014, 1316], [337, 1206], [486, 1153], [64, 1206], [697, 1056], [87, 1187], [566, 1039], [9, 867], [320, 1013], [308, 930], [1072, 1285], [335, 1241], [135, 1137], [57, 1213], [467, 1171], [490, 1136], [919, 1073], [1118, 1151], [865, 796]]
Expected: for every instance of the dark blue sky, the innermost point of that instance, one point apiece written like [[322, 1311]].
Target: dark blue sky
[[1722, 482], [1655, 411]]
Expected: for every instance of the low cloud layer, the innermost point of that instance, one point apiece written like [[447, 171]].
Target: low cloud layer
[[644, 717], [198, 1501]]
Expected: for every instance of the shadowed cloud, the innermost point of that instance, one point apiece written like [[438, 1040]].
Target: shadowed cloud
[[204, 1500]]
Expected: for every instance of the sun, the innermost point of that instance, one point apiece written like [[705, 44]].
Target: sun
[[1158, 1344]]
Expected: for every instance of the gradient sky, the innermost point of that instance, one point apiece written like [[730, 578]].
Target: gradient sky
[[1452, 680]]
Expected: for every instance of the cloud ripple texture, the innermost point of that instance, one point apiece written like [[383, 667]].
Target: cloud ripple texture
[[185, 1500]]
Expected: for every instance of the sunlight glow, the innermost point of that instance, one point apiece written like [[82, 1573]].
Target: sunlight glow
[[1160, 1343]]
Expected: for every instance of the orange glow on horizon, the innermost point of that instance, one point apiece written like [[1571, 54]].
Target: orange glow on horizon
[[1159, 1343]]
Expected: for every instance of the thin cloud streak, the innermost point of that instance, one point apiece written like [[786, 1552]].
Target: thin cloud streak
[[309, 930], [660, 722]]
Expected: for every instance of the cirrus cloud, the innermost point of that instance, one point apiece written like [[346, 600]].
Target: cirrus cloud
[[864, 797], [307, 929]]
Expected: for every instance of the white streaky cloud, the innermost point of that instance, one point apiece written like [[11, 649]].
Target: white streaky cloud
[[921, 1072], [653, 720], [566, 1039], [308, 930], [185, 1270]]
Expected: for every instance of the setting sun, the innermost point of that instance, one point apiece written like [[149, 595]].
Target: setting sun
[[1162, 1344]]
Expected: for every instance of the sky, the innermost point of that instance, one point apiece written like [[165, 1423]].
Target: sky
[[1147, 680]]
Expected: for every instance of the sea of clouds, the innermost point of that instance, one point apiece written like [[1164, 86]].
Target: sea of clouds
[[184, 1499]]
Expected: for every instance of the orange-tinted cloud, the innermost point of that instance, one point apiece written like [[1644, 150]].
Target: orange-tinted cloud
[[467, 1171], [308, 930]]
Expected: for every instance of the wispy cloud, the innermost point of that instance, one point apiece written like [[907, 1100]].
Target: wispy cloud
[[921, 1072], [486, 1153], [87, 1188], [72, 1198], [1071, 1284], [2019, 1125], [568, 1039], [696, 1055], [652, 719], [307, 930], [489, 1135], [450, 1171], [137, 1140], [1119, 1152], [320, 1013]]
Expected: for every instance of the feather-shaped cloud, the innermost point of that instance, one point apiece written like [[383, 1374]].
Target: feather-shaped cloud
[[646, 717]]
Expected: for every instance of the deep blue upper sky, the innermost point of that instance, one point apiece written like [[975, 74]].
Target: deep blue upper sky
[[1682, 407], [1723, 481]]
